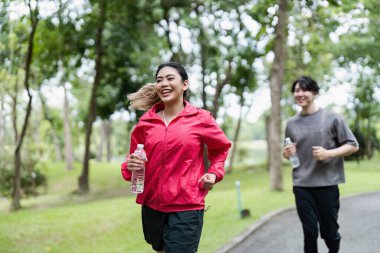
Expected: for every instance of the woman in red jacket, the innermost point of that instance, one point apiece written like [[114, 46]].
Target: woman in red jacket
[[174, 134]]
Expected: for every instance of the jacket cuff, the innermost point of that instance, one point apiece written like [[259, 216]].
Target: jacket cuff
[[125, 173], [218, 172]]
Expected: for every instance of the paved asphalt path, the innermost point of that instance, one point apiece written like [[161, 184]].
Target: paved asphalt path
[[359, 219]]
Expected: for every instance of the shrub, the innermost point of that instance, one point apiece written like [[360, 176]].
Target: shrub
[[31, 176]]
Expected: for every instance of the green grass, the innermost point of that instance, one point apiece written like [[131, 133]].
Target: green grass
[[108, 220]]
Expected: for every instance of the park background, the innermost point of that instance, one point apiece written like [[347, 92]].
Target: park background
[[67, 66]]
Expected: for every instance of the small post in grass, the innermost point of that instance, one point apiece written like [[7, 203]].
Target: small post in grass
[[237, 183], [242, 212]]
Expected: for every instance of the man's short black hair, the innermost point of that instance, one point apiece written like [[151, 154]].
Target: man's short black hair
[[306, 83]]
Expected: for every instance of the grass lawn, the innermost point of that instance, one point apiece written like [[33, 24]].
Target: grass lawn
[[108, 220]]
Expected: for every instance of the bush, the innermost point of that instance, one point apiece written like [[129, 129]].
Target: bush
[[31, 176], [367, 144]]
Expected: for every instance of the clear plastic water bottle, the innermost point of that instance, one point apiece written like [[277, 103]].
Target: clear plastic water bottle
[[294, 161], [138, 176]]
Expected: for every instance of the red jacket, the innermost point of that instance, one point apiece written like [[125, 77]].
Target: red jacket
[[175, 158]]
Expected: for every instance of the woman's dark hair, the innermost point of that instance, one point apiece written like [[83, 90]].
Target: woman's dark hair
[[306, 83], [180, 69]]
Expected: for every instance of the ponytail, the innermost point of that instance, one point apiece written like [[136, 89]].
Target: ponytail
[[144, 98]]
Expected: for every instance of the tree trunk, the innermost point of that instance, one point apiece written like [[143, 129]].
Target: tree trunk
[[276, 83], [218, 91], [2, 123], [83, 179], [236, 136], [54, 135], [68, 146], [368, 140], [69, 154], [16, 191], [99, 155], [14, 110], [16, 186], [108, 139], [57, 145], [267, 133], [203, 58], [203, 63]]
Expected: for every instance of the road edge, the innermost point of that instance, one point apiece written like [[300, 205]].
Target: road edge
[[266, 218], [251, 229]]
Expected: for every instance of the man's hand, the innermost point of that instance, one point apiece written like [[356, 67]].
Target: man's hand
[[289, 150], [320, 153]]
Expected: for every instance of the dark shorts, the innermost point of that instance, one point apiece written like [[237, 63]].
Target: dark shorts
[[177, 232]]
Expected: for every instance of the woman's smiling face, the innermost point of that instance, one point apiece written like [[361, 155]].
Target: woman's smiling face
[[169, 85]]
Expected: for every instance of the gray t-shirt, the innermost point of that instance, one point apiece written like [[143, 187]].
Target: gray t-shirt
[[322, 128]]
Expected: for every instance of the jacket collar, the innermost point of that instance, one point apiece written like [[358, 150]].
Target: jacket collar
[[152, 112]]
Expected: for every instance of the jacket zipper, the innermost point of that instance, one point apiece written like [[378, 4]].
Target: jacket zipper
[[163, 167]]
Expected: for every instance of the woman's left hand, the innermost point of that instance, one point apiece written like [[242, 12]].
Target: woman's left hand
[[208, 180]]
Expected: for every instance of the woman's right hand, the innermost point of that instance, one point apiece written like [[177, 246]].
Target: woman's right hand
[[289, 150], [135, 163]]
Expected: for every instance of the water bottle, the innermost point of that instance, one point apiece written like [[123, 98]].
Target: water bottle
[[138, 176], [294, 161]]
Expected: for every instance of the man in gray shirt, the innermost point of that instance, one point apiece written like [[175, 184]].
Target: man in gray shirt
[[320, 139]]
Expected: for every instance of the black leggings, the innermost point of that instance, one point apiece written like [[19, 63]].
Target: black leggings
[[318, 205]]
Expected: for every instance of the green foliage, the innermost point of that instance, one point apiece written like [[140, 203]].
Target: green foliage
[[310, 26], [368, 142], [59, 45], [32, 177], [259, 11], [127, 61], [360, 41], [365, 114]]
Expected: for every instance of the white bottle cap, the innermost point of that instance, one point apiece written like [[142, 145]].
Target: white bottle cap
[[140, 145]]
